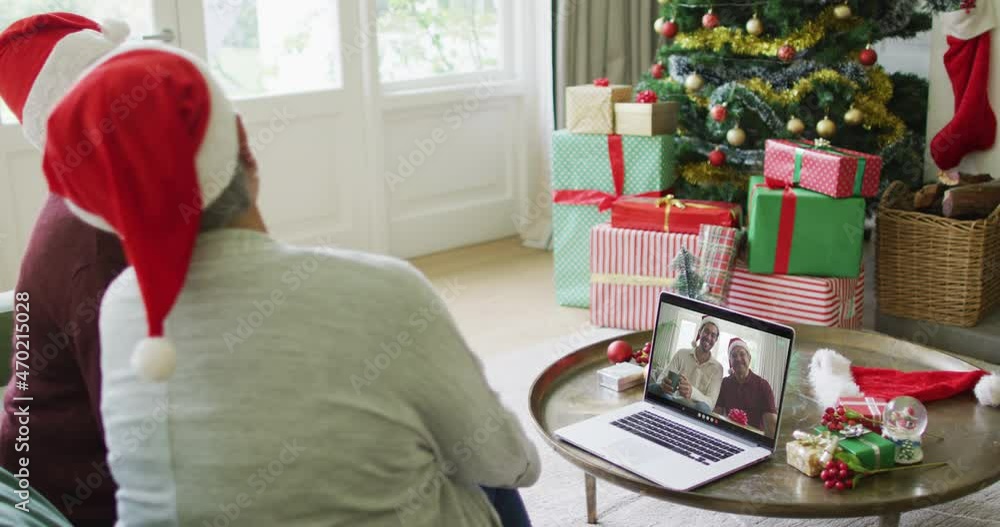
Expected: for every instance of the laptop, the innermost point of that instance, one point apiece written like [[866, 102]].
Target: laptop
[[691, 427]]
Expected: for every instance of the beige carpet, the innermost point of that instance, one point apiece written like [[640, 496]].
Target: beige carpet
[[558, 498]]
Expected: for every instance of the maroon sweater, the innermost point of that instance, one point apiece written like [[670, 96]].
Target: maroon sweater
[[65, 270]]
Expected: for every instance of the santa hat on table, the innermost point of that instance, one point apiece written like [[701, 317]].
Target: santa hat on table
[[42, 56], [833, 376], [146, 174]]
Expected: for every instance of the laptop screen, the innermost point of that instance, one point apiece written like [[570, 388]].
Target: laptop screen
[[727, 369]]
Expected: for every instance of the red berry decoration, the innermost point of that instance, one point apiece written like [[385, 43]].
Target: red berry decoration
[[717, 158], [719, 112], [602, 82], [669, 29], [619, 351], [657, 70], [710, 20], [868, 57], [641, 357], [646, 96], [786, 53]]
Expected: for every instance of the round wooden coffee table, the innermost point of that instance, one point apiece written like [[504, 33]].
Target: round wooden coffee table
[[961, 432]]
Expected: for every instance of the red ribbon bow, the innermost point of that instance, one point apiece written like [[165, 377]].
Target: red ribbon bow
[[786, 223]]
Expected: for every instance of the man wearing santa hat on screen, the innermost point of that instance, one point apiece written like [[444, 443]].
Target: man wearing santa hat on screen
[[64, 273], [235, 364]]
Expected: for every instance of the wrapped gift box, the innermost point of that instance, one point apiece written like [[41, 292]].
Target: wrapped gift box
[[629, 268], [830, 302], [646, 119], [717, 250], [874, 451], [591, 109], [836, 172], [870, 409], [673, 215], [805, 457], [588, 173], [801, 232]]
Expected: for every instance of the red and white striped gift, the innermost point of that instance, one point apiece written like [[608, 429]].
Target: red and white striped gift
[[831, 302], [628, 269]]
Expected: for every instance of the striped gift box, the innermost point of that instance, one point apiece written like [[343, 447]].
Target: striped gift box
[[628, 269], [831, 302]]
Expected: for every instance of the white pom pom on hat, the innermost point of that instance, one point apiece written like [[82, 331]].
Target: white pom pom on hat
[[116, 31], [154, 359], [988, 390]]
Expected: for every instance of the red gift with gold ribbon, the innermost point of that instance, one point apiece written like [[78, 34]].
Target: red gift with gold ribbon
[[669, 214]]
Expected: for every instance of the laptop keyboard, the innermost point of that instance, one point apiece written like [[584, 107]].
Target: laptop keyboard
[[677, 437]]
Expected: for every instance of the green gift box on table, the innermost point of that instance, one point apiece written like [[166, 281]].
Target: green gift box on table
[[800, 232], [874, 451], [588, 172]]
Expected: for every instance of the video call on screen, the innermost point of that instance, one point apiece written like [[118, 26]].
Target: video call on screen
[[732, 372]]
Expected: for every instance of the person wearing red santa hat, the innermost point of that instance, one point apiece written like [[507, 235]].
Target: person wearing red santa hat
[[745, 390], [65, 270], [235, 364]]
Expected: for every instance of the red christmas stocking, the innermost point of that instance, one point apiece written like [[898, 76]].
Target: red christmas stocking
[[967, 62]]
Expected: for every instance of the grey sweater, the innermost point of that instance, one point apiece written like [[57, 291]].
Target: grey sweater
[[313, 387]]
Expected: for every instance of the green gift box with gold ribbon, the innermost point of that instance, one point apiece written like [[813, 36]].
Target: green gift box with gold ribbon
[[874, 451], [794, 231], [821, 167]]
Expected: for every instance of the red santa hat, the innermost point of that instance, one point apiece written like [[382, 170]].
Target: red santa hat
[[833, 376], [42, 56], [737, 342], [145, 169]]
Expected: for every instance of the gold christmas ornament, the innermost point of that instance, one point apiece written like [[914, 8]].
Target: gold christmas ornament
[[842, 12], [795, 126], [754, 26], [736, 136], [826, 128], [854, 116], [658, 25], [664, 2], [694, 82]]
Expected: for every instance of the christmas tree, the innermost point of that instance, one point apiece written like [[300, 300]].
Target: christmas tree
[[688, 283], [751, 70]]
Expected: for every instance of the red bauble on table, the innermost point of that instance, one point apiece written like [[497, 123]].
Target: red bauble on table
[[868, 57], [710, 20], [657, 70], [602, 82], [646, 96], [619, 351], [669, 29], [719, 112], [717, 158], [786, 53]]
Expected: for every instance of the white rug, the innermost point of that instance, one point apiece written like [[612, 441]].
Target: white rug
[[558, 498]]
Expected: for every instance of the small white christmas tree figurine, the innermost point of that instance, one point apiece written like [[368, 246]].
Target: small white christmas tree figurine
[[688, 282]]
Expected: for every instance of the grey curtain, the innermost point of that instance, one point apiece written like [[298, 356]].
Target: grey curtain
[[602, 38]]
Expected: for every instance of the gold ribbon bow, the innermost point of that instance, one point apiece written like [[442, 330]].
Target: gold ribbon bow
[[668, 202]]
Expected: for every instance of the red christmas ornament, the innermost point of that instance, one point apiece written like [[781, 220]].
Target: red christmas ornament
[[619, 351], [786, 53], [719, 112], [710, 20], [669, 29], [657, 70], [646, 96], [602, 82], [868, 57], [717, 158]]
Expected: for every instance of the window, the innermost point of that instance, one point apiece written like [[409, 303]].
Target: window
[[420, 39], [138, 15], [270, 47]]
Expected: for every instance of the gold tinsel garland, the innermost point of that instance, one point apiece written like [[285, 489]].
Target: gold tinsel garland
[[743, 43], [872, 102], [706, 174]]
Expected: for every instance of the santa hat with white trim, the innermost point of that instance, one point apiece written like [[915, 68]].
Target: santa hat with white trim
[[833, 376], [42, 56], [146, 169]]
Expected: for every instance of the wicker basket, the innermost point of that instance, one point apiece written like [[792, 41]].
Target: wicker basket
[[934, 268]]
